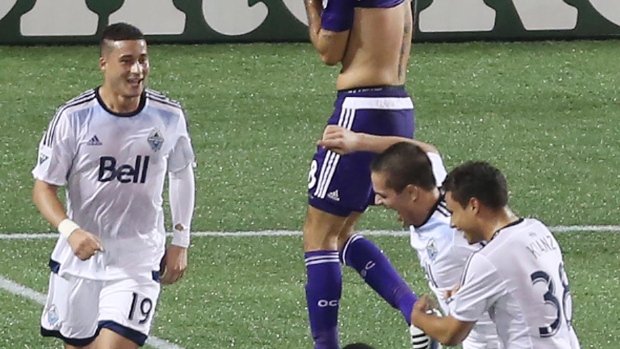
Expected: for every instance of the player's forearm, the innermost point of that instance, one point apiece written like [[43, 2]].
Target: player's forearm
[[314, 8], [45, 197], [378, 144], [446, 330], [182, 197]]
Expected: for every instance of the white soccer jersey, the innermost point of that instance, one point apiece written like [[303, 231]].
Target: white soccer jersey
[[114, 167], [443, 252], [519, 278]]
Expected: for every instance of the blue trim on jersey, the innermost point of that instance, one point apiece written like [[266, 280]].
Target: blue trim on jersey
[[76, 342], [54, 266], [129, 333], [122, 115]]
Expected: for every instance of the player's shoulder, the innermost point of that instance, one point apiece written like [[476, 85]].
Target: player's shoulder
[[79, 102], [161, 101]]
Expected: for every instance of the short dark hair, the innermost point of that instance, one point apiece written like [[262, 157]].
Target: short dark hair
[[358, 346], [120, 31], [405, 163], [480, 180]]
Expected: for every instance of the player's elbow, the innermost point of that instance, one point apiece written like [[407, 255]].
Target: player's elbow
[[330, 59]]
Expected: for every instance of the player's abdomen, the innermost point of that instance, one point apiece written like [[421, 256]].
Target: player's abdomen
[[378, 48]]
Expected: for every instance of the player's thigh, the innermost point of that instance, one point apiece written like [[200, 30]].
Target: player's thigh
[[70, 311], [108, 339], [127, 308], [348, 228], [321, 229]]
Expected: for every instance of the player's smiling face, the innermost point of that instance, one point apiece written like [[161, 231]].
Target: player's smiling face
[[398, 201], [463, 219], [125, 64]]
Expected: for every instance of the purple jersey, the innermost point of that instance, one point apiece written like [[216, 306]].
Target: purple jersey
[[341, 184], [337, 15]]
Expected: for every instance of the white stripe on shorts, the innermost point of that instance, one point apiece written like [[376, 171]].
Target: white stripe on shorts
[[347, 115], [384, 103]]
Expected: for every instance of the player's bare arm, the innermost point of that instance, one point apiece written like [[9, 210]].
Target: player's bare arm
[[83, 243], [405, 48], [330, 45], [182, 197], [448, 330], [343, 141]]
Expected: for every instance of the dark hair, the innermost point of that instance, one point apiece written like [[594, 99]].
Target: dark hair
[[405, 163], [480, 180], [358, 346], [120, 31]]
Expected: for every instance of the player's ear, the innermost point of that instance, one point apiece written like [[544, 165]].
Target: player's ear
[[474, 205], [413, 191], [102, 63]]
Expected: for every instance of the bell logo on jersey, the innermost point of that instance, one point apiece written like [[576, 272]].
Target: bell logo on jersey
[[124, 173]]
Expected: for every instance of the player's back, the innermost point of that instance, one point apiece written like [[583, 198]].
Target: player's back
[[379, 44], [534, 307]]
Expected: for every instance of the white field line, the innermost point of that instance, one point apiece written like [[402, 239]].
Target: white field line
[[39, 298], [555, 229]]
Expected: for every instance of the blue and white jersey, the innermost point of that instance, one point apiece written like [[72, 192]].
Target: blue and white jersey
[[443, 252], [114, 167], [519, 277]]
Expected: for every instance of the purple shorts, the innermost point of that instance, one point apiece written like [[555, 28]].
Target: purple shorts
[[341, 184]]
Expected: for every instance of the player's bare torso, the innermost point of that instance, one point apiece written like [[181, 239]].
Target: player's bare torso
[[378, 48]]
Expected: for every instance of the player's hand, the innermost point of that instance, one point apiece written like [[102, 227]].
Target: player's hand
[[421, 307], [448, 294], [339, 140], [173, 265], [84, 244]]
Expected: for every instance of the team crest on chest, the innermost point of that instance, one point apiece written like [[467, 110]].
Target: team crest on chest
[[155, 140], [431, 250]]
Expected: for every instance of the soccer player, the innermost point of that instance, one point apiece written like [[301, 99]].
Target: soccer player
[[406, 177], [372, 40], [111, 147], [518, 276]]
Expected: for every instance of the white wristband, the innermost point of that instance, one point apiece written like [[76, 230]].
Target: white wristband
[[180, 238], [66, 227]]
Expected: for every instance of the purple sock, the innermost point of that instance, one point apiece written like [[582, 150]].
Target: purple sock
[[374, 267], [323, 292]]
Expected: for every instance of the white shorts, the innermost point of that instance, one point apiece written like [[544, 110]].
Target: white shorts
[[76, 309]]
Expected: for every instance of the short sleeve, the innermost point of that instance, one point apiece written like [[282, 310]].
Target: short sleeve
[[337, 15], [439, 170], [182, 154], [56, 152], [480, 287]]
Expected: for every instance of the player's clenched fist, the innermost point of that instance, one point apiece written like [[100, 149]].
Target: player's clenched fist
[[84, 244], [339, 140]]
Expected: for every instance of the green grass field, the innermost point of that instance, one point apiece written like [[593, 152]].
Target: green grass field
[[545, 113]]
